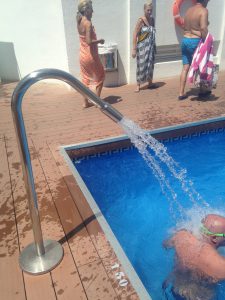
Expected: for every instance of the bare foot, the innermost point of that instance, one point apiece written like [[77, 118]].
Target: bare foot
[[87, 104], [137, 90]]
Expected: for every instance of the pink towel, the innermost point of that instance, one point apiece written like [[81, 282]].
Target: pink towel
[[202, 66]]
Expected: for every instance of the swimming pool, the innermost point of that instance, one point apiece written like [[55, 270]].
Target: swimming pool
[[133, 204]]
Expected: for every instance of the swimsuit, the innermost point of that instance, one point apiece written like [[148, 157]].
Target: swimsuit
[[188, 48]]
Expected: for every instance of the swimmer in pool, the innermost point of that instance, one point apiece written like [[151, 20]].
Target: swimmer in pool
[[198, 265]]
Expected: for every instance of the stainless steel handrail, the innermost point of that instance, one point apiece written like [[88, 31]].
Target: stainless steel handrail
[[42, 256]]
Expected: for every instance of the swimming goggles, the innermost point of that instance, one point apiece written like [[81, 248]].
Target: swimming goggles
[[207, 232]]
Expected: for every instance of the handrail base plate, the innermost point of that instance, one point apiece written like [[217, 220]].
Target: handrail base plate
[[33, 264]]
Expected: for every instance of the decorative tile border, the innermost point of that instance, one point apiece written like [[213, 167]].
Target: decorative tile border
[[192, 135], [105, 153], [77, 159]]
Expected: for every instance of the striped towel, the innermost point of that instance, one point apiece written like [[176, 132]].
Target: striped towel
[[202, 66]]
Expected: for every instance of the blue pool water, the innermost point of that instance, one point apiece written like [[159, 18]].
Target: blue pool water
[[137, 211]]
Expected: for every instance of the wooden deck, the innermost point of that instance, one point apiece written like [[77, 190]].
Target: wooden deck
[[54, 116]]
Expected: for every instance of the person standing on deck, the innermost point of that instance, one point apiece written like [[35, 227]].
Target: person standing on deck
[[90, 65], [144, 47], [195, 29]]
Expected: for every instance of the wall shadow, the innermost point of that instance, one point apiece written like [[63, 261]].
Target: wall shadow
[[9, 69]]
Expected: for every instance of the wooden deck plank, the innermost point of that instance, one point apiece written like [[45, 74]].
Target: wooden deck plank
[[35, 286], [83, 242], [96, 282], [80, 243], [65, 277], [11, 282]]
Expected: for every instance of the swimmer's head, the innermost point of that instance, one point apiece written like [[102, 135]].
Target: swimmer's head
[[213, 227]]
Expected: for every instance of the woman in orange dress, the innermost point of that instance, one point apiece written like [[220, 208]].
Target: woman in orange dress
[[92, 70]]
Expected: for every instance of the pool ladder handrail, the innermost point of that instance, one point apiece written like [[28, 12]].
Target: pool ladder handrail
[[42, 256]]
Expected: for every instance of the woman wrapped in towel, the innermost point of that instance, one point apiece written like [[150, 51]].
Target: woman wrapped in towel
[[91, 68]]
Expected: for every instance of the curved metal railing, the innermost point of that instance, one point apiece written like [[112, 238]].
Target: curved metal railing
[[42, 256]]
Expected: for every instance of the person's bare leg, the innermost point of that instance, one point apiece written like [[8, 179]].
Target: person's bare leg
[[98, 93], [137, 88], [183, 78], [99, 89], [87, 103]]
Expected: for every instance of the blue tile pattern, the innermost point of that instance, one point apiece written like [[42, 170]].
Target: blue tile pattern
[[164, 141]]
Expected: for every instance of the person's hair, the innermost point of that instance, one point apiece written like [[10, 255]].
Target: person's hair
[[148, 3], [82, 6]]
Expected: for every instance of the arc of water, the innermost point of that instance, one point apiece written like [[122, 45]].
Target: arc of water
[[143, 140], [135, 136]]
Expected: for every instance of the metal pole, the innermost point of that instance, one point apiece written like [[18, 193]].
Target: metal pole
[[42, 256]]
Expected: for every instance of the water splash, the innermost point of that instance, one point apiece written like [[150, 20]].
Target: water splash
[[194, 219], [156, 156]]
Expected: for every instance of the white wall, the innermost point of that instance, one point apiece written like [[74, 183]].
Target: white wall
[[35, 31], [42, 34], [222, 48], [136, 11]]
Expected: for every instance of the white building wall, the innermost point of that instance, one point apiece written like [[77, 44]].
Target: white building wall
[[42, 34], [222, 48], [33, 32], [217, 27]]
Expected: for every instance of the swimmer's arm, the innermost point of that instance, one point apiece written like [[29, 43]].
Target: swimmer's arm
[[204, 24]]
